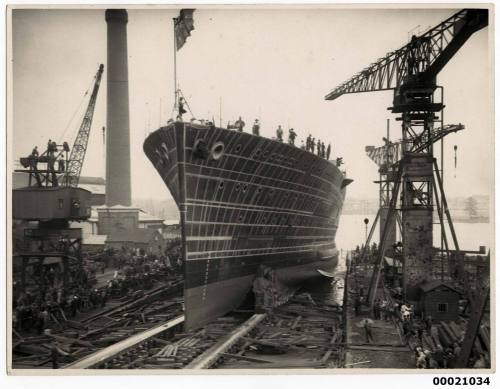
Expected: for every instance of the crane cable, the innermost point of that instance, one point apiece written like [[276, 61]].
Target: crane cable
[[77, 110]]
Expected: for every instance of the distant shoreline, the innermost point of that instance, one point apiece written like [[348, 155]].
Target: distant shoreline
[[456, 219]]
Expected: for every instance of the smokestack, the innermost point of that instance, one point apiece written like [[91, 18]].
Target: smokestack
[[118, 190]]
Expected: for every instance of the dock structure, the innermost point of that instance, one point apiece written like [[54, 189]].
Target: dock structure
[[387, 349]]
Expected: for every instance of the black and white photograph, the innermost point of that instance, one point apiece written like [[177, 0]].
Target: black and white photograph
[[250, 188]]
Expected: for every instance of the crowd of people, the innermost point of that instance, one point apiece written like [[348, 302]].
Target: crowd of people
[[52, 302], [312, 145], [416, 329], [366, 255]]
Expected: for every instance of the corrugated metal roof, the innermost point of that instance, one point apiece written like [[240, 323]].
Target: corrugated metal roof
[[430, 285]]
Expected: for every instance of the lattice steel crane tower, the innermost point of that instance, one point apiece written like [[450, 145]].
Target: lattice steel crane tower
[[53, 199], [79, 149], [411, 73], [388, 158]]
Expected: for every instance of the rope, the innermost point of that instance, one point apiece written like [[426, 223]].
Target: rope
[[180, 94], [187, 104], [76, 111]]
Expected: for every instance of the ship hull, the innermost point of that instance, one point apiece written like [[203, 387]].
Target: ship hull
[[230, 293], [245, 201]]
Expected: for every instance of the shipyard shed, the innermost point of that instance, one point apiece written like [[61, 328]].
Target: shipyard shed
[[439, 300], [149, 240]]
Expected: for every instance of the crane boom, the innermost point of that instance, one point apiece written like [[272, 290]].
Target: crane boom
[[418, 61], [79, 149], [392, 153]]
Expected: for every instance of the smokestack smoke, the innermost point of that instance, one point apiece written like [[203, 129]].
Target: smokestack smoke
[[118, 187]]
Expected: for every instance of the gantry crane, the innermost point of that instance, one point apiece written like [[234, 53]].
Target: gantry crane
[[388, 158], [411, 73]]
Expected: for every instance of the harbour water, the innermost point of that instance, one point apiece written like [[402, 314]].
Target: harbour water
[[470, 236], [352, 232]]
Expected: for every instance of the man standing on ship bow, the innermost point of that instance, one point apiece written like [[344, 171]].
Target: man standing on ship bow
[[279, 133], [291, 137], [256, 127], [239, 124], [308, 143]]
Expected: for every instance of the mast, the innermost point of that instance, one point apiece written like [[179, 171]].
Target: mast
[[175, 65]]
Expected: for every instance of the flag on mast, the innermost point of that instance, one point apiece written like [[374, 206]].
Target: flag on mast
[[184, 24]]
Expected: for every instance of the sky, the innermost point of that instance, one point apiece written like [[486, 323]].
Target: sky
[[275, 64]]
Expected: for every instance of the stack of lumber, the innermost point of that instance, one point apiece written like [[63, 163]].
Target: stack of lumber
[[76, 340], [298, 334]]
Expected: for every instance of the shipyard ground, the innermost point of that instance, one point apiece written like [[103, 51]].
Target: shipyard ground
[[318, 328], [387, 350], [311, 331]]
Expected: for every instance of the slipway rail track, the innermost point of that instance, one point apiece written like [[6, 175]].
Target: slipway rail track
[[111, 352], [299, 334]]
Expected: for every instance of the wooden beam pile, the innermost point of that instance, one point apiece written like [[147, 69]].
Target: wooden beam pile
[[298, 334], [447, 334], [76, 340]]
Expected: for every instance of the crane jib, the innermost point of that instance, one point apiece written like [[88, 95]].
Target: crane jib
[[79, 148], [421, 59]]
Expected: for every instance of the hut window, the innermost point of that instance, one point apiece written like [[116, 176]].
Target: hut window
[[60, 203], [442, 307]]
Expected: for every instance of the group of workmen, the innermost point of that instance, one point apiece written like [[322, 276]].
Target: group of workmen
[[311, 144], [365, 255], [38, 313], [51, 154], [39, 309], [416, 330], [413, 331], [321, 150]]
